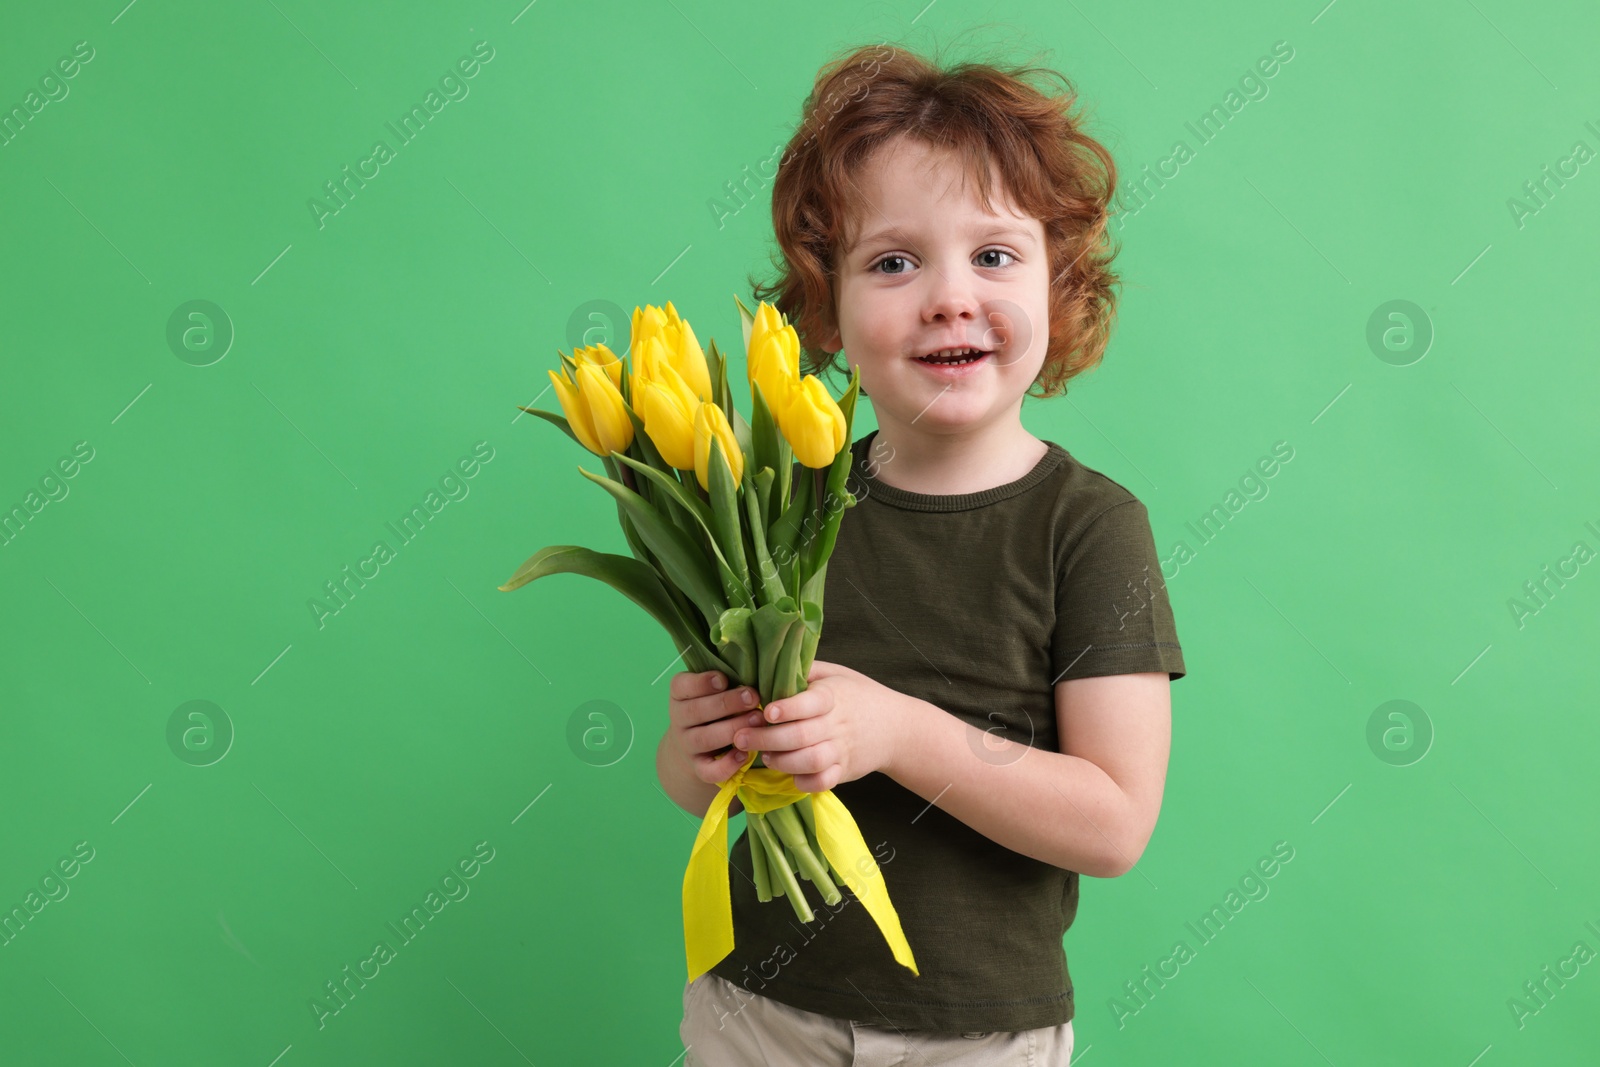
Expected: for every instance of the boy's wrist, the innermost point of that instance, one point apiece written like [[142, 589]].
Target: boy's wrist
[[681, 784], [910, 725]]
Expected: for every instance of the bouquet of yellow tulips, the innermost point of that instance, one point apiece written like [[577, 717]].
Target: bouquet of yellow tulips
[[730, 554]]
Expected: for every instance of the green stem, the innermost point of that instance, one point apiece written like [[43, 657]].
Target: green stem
[[774, 866], [787, 823], [808, 815], [758, 860], [766, 571], [791, 885], [757, 824]]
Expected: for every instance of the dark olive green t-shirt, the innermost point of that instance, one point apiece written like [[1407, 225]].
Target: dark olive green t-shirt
[[978, 603]]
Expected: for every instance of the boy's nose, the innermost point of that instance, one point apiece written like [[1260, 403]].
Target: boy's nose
[[950, 300]]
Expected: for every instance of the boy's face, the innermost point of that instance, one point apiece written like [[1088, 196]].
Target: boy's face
[[928, 269]]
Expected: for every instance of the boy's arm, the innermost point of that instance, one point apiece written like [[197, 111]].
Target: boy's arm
[[1090, 808]]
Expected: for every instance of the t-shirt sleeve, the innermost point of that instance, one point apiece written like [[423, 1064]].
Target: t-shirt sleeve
[[1112, 611]]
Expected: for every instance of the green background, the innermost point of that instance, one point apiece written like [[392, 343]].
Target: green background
[[352, 762]]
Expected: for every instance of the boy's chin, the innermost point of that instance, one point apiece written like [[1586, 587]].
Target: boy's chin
[[950, 414]]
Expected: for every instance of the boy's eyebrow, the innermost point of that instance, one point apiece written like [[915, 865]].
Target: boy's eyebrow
[[977, 232]]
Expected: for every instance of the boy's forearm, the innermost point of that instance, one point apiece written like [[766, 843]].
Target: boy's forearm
[[685, 788], [1056, 808]]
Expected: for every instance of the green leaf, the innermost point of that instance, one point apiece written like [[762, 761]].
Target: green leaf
[[695, 509], [771, 448], [816, 585], [715, 368], [635, 544], [747, 320], [764, 482], [835, 499], [723, 398], [772, 623], [727, 524], [812, 611], [786, 539], [735, 638], [766, 572], [789, 667], [698, 513], [635, 580], [556, 420], [684, 563]]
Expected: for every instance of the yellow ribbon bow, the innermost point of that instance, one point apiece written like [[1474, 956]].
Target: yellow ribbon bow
[[707, 906]]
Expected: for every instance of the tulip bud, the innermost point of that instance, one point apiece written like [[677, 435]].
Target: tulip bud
[[666, 407], [813, 423], [772, 369], [679, 346], [604, 358], [594, 409], [767, 321], [710, 424]]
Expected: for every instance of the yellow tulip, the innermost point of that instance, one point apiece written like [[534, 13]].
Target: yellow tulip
[[710, 424], [767, 321], [772, 372], [594, 409], [666, 405], [812, 423], [604, 358], [650, 357], [773, 359], [678, 343]]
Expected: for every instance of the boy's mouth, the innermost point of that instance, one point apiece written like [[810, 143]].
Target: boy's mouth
[[954, 357]]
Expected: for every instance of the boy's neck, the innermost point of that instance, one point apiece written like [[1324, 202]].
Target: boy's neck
[[934, 464]]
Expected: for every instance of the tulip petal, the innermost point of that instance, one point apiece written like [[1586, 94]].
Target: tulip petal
[[609, 417], [577, 413]]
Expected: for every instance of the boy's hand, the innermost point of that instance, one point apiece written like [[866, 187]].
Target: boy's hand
[[842, 727], [703, 715]]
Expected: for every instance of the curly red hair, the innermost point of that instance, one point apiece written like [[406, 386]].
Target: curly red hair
[[989, 115]]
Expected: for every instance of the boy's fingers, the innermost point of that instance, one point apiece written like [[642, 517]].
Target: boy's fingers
[[687, 685], [720, 705], [802, 705], [813, 759], [715, 736], [719, 769]]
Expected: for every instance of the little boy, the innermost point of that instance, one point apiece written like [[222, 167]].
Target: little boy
[[990, 698]]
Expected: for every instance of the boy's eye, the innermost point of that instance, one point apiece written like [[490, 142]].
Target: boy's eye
[[879, 266]]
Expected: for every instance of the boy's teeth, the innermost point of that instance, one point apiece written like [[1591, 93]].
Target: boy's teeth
[[952, 355]]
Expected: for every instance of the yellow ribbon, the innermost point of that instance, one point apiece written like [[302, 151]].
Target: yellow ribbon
[[707, 906]]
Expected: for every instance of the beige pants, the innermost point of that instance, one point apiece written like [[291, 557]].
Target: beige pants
[[726, 1026]]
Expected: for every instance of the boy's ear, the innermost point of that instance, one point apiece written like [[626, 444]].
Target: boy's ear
[[829, 340]]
